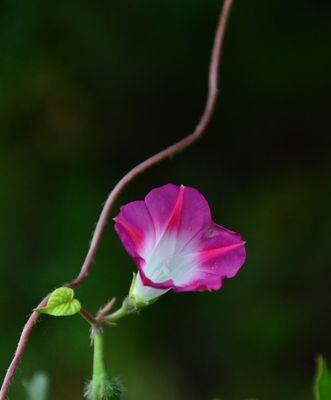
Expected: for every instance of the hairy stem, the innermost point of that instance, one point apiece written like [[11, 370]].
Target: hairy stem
[[169, 151], [88, 317], [117, 315], [102, 386], [99, 377], [105, 310], [99, 369]]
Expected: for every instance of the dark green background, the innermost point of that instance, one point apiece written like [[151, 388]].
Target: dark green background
[[90, 88]]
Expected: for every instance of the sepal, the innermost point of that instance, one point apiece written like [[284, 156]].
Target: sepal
[[134, 300]]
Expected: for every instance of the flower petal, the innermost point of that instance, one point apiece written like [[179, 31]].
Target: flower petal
[[221, 254], [178, 209], [135, 228]]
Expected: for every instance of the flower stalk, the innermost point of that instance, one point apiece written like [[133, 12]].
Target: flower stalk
[[129, 307], [117, 315]]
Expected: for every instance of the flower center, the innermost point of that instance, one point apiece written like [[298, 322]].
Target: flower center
[[166, 262]]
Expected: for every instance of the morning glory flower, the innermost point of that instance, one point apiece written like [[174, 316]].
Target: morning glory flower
[[175, 244]]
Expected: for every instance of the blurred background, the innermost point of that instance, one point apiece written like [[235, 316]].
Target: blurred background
[[87, 90]]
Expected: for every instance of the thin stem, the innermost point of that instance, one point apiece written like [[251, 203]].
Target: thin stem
[[106, 309], [99, 369], [169, 151], [117, 315], [99, 380], [88, 317], [20, 348]]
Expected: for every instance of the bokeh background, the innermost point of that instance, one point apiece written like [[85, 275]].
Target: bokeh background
[[87, 90]]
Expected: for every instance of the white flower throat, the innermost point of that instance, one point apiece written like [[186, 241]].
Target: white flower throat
[[170, 259]]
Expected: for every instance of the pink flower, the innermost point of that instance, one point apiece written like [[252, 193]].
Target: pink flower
[[175, 243]]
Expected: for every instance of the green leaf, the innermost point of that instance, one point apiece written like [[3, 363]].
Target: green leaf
[[61, 303], [38, 387], [322, 384]]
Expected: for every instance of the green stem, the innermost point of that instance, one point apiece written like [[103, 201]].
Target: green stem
[[102, 386], [88, 317], [99, 386], [129, 306], [117, 315], [99, 369]]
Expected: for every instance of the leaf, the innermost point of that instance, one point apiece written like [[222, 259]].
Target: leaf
[[322, 384], [61, 303], [38, 387]]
